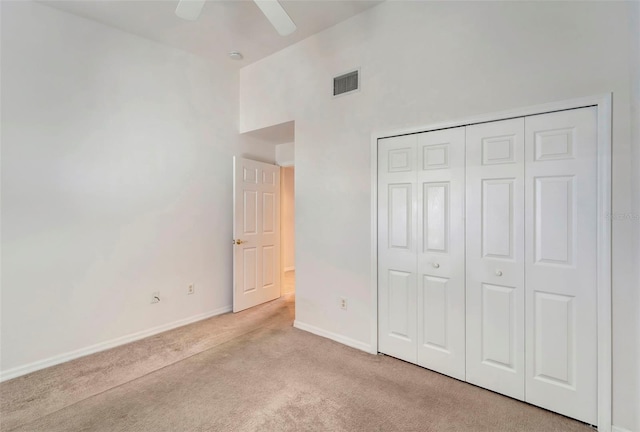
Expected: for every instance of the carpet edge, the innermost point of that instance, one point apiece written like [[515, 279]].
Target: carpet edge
[[102, 346]]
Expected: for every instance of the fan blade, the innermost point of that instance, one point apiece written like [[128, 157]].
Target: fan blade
[[189, 9], [277, 15]]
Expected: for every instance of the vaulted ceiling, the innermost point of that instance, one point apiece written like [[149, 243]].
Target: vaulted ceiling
[[223, 26]]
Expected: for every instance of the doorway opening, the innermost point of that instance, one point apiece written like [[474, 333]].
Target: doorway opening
[[287, 229], [263, 221]]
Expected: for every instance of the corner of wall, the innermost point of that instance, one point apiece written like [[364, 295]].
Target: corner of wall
[[362, 346]]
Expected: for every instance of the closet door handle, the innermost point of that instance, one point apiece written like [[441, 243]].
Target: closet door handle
[[435, 265], [498, 273]]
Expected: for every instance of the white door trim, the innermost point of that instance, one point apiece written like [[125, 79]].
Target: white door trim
[[603, 103]]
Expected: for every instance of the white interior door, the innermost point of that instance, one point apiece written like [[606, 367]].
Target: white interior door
[[440, 254], [256, 231], [561, 291], [495, 256], [397, 216]]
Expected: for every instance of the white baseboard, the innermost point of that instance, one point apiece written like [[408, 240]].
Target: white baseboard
[[333, 336], [102, 346], [292, 268], [619, 429]]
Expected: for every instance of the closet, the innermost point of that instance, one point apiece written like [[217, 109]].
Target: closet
[[487, 253]]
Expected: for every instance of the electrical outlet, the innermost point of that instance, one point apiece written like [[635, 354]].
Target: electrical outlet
[[343, 303], [191, 289], [155, 297]]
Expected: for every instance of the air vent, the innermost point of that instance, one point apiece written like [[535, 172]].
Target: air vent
[[345, 83]]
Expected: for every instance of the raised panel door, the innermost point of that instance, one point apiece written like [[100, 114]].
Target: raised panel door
[[560, 286], [397, 209], [256, 230], [440, 251], [495, 256]]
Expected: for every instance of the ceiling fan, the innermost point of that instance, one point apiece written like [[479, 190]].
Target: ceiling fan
[[190, 10]]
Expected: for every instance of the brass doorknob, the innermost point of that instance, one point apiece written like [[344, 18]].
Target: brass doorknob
[[238, 242]]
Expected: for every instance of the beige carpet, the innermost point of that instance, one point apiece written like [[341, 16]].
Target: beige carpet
[[253, 372]]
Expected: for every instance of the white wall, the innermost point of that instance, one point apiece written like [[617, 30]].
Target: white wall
[[287, 217], [422, 63], [116, 182], [634, 18], [285, 154]]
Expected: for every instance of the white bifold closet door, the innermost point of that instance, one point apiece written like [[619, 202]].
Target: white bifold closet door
[[421, 249], [495, 256], [440, 281], [397, 260], [531, 290], [561, 257], [487, 256]]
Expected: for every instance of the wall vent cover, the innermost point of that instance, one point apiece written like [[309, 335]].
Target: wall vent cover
[[346, 83]]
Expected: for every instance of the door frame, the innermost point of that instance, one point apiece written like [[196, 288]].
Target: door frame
[[603, 103], [282, 166]]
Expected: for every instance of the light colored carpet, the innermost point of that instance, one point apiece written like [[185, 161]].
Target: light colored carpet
[[269, 377], [32, 396]]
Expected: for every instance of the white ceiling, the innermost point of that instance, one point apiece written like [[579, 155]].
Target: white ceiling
[[223, 26]]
